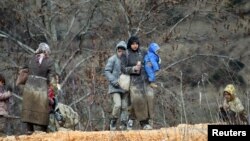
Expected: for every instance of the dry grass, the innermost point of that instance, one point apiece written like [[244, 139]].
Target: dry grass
[[185, 132]]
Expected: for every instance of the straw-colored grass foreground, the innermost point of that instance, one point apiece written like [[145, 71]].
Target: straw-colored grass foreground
[[182, 132]]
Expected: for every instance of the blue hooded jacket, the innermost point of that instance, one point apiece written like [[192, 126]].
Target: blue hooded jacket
[[153, 58]]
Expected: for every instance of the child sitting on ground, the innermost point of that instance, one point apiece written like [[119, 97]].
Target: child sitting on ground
[[232, 111]]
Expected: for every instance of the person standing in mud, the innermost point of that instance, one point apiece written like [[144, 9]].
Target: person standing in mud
[[112, 72], [4, 97], [35, 108], [140, 93]]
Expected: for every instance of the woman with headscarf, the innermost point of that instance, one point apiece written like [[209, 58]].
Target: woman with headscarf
[[141, 94], [35, 109]]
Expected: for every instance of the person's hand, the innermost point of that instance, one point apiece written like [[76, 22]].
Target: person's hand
[[220, 106], [137, 68], [226, 107], [59, 87], [115, 83], [51, 101], [159, 61]]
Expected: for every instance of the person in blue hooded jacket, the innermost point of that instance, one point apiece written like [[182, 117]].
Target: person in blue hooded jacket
[[152, 63]]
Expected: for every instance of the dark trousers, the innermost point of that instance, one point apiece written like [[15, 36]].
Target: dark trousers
[[30, 127], [2, 125], [231, 117]]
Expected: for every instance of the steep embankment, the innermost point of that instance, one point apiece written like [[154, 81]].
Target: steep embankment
[[196, 132]]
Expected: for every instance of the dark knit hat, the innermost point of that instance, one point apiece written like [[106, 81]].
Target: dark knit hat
[[131, 40]]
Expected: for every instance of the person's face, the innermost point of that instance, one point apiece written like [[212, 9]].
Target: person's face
[[134, 46], [1, 83], [227, 96], [158, 51], [120, 51]]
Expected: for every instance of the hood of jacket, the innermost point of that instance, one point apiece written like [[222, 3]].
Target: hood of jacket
[[121, 44], [230, 89], [153, 47]]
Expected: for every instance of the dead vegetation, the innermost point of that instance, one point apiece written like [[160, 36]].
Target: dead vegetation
[[199, 40], [182, 132]]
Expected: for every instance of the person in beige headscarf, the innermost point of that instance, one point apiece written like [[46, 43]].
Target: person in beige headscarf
[[232, 110], [35, 109]]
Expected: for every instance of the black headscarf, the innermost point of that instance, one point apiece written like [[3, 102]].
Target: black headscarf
[[131, 40]]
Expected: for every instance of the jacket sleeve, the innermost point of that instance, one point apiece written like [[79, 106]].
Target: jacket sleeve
[[109, 69], [238, 107], [51, 70], [225, 105], [125, 68], [150, 72], [5, 95], [155, 64]]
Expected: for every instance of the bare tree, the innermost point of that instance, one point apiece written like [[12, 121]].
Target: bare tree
[[198, 38]]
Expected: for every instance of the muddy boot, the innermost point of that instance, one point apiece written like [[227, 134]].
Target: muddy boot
[[145, 125], [112, 124], [130, 124], [43, 128], [30, 129], [123, 125]]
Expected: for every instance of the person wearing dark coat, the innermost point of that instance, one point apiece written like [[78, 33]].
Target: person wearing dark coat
[[35, 108], [112, 72], [141, 95]]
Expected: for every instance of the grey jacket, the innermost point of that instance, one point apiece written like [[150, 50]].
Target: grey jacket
[[112, 70]]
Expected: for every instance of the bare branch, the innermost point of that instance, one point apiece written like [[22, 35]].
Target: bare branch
[[128, 20], [69, 60], [182, 100], [82, 31], [173, 27], [24, 46], [191, 57], [144, 17], [79, 100], [44, 31], [85, 28], [10, 60], [151, 31], [72, 22], [73, 69], [17, 96]]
